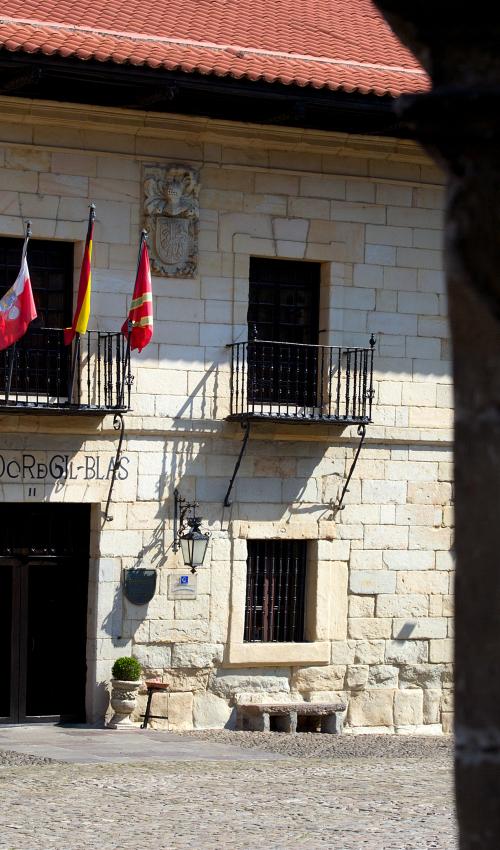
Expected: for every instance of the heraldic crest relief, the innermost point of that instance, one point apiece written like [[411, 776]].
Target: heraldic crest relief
[[171, 215]]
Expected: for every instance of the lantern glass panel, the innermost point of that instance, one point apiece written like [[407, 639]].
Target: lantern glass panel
[[194, 546], [187, 550], [199, 548]]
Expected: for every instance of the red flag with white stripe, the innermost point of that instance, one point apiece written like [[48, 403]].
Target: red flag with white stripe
[[138, 328], [17, 308]]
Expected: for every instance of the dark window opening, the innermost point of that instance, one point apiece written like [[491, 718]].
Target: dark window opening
[[42, 360], [275, 592], [51, 271], [283, 313]]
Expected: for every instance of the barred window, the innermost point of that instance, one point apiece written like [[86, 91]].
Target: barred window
[[40, 359], [275, 592]]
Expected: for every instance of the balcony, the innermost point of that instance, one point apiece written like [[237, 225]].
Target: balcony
[[292, 382], [40, 374]]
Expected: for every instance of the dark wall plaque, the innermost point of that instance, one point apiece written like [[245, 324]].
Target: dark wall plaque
[[139, 585]]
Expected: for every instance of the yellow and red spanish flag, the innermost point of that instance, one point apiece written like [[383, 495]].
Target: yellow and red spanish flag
[[82, 312], [17, 307], [138, 328]]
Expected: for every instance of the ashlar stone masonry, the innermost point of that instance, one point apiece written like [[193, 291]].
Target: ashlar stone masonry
[[380, 573]]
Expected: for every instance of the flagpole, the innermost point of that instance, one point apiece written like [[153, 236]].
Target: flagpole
[[76, 351], [118, 420], [13, 347], [144, 236]]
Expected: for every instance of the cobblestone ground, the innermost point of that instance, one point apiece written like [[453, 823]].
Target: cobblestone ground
[[309, 745], [383, 794]]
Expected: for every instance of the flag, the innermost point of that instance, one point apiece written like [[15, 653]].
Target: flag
[[17, 307], [82, 312], [139, 325]]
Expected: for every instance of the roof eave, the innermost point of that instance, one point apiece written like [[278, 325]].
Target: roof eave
[[36, 76]]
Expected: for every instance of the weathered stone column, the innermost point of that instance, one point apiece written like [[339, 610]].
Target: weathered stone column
[[459, 124]]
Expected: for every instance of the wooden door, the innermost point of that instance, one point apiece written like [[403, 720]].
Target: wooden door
[[44, 565]]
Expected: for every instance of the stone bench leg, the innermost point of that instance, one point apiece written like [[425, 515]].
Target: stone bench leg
[[257, 722], [265, 721], [333, 723], [252, 722]]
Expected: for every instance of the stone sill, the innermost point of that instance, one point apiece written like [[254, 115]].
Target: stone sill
[[148, 425], [274, 654]]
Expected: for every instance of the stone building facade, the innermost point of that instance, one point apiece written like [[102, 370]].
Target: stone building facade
[[379, 580]]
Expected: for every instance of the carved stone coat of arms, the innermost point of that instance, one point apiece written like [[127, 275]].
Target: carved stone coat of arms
[[171, 215]]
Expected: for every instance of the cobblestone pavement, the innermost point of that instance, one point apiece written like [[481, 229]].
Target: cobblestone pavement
[[358, 798], [9, 758], [309, 745]]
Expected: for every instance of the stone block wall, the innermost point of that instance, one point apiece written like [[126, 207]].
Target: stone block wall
[[369, 211]]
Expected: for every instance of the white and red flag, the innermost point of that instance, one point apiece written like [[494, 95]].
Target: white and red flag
[[17, 307]]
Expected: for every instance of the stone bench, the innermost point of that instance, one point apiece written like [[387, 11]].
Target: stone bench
[[286, 717]]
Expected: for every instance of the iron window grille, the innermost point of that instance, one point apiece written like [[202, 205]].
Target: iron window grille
[[275, 591]]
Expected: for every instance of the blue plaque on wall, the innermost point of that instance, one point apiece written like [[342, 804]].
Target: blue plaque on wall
[[139, 585]]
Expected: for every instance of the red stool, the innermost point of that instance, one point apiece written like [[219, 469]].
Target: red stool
[[153, 686]]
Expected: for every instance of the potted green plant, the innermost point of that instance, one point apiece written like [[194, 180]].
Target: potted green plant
[[126, 674]]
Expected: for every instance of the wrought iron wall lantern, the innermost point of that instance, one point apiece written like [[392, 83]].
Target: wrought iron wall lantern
[[188, 536]]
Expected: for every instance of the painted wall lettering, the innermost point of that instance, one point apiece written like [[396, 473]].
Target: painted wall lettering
[[60, 467]]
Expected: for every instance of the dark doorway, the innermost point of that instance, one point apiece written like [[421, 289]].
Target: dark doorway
[[283, 316], [44, 562]]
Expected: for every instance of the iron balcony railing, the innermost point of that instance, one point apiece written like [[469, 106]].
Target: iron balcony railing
[[41, 373], [291, 381]]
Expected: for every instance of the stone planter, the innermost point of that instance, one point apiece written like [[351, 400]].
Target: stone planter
[[123, 702]]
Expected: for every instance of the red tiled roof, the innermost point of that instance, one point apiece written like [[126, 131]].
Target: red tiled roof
[[337, 44]]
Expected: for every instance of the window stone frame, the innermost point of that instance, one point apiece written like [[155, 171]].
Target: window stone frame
[[326, 606]]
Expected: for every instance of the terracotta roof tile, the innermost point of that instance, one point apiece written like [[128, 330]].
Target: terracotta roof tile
[[337, 44]]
